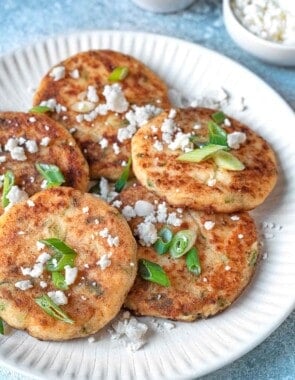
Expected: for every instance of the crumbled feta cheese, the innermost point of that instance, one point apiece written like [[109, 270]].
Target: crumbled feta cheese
[[172, 113], [104, 233], [106, 191], [143, 208], [197, 126], [116, 148], [18, 153], [113, 241], [103, 143], [181, 141], [31, 146], [43, 184], [35, 272], [32, 119], [57, 73], [235, 217], [85, 210], [104, 261], [2, 159], [240, 236], [30, 203], [92, 94], [147, 233], [16, 195], [23, 285], [162, 212], [43, 284], [115, 98], [137, 117], [11, 144], [75, 74], [128, 212], [211, 182], [53, 105], [43, 258], [227, 268], [173, 220], [158, 146], [208, 225], [91, 339], [45, 141], [70, 274], [235, 139], [227, 122], [117, 203], [268, 235], [58, 297]]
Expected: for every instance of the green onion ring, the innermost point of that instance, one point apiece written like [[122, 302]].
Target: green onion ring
[[163, 242], [182, 242], [193, 261], [153, 272], [50, 308]]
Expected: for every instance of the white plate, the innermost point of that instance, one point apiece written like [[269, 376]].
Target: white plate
[[191, 349]]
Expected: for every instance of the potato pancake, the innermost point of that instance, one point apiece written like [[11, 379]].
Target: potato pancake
[[97, 278], [227, 250], [102, 97], [27, 139], [205, 185]]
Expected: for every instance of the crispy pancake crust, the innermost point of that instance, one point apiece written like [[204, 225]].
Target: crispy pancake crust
[[185, 183], [228, 255], [61, 150], [96, 295], [140, 87]]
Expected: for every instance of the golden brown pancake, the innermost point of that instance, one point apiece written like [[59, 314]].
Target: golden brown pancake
[[39, 139], [96, 132], [228, 254], [202, 186], [93, 229]]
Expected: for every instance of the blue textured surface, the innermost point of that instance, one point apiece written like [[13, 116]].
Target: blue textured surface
[[25, 22]]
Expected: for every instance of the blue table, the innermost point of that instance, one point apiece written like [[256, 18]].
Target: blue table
[[25, 22]]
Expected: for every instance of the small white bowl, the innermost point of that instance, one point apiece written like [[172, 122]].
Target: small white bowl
[[268, 51], [163, 6]]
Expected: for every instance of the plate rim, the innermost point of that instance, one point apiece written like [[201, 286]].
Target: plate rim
[[220, 362]]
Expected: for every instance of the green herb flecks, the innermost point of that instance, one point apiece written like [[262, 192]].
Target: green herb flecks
[[153, 272], [51, 173], [50, 308], [8, 182], [118, 74]]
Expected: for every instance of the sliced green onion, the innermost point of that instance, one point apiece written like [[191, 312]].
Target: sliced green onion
[[163, 242], [153, 272], [50, 308], [118, 74], [40, 109], [217, 135], [121, 182], [51, 173], [1, 327], [193, 262], [64, 255], [58, 280], [218, 117], [8, 182], [199, 142], [228, 161], [182, 242], [201, 154]]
